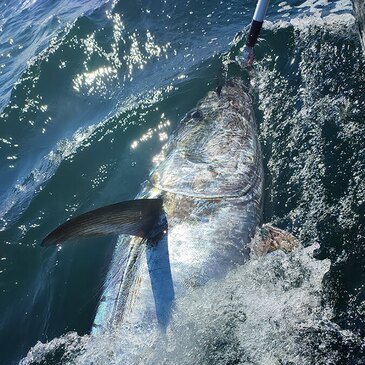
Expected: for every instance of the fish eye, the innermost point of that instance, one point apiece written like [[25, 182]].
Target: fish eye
[[195, 114]]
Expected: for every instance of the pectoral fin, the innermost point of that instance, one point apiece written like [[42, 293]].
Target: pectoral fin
[[269, 238], [134, 217]]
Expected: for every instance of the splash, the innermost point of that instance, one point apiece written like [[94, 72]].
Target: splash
[[266, 312], [310, 106]]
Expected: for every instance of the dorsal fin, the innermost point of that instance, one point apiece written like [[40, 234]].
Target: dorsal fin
[[134, 217]]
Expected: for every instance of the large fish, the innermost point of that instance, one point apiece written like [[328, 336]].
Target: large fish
[[194, 220]]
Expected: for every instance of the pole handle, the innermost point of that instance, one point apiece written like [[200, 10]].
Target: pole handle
[[253, 34]]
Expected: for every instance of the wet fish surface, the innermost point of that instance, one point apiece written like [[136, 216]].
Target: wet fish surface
[[206, 196]]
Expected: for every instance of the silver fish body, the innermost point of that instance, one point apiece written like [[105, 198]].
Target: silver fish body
[[211, 182]]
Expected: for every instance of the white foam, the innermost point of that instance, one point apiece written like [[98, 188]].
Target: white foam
[[260, 312], [323, 13]]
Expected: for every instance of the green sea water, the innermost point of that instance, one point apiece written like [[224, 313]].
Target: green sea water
[[90, 93]]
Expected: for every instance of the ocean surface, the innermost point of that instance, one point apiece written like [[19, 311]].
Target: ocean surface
[[90, 91]]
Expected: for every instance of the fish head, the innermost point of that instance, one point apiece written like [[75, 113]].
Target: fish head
[[214, 152]]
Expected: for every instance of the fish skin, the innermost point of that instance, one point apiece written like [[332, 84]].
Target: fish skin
[[211, 183]]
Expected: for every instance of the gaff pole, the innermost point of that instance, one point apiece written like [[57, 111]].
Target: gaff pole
[[256, 25]]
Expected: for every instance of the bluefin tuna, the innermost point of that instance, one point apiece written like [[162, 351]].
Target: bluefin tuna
[[194, 220]]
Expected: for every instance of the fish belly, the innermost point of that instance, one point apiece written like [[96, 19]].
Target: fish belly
[[205, 240]]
